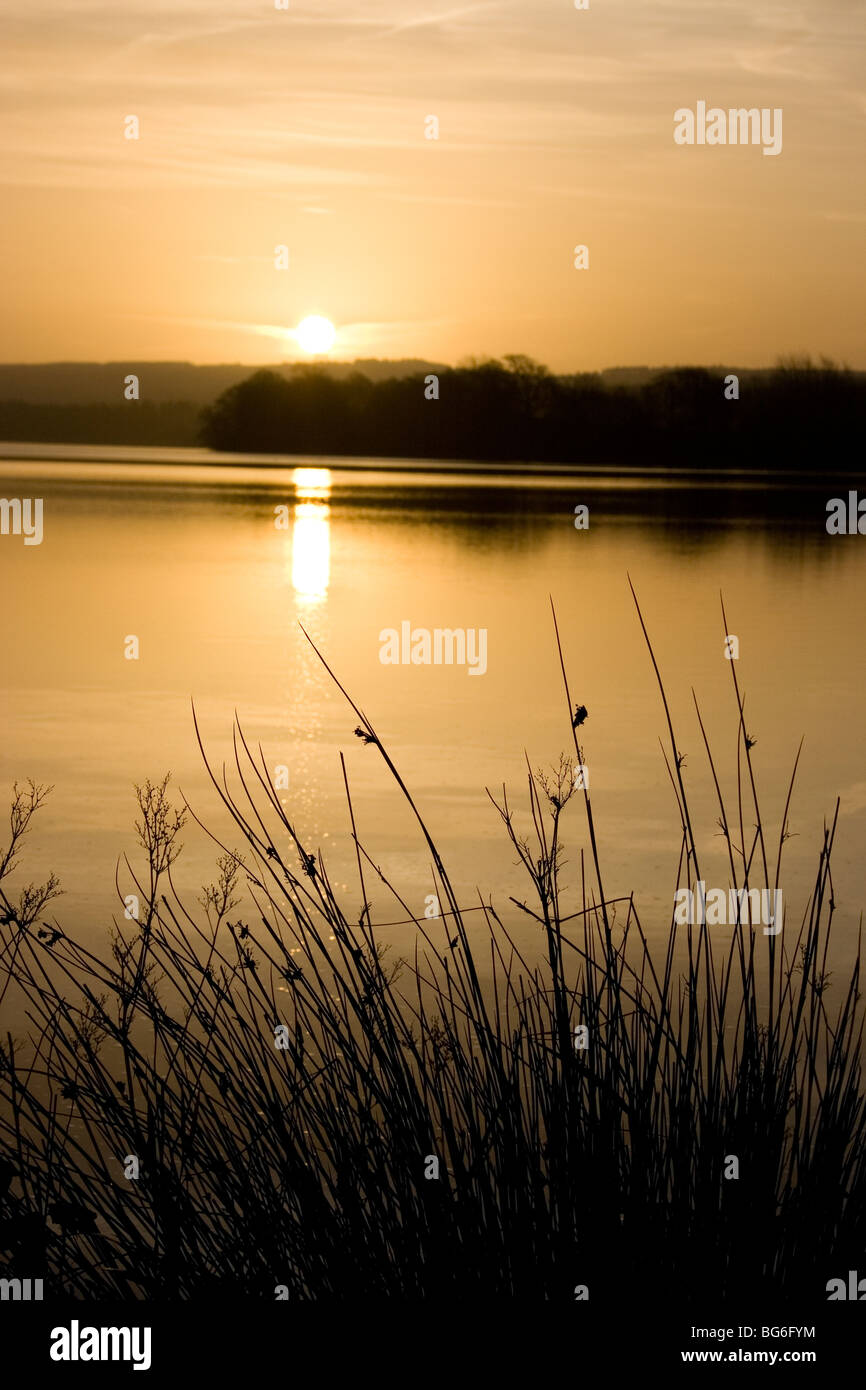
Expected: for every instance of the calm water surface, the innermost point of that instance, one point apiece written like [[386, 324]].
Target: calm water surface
[[187, 556]]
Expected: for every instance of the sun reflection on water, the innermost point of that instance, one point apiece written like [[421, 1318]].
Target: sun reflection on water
[[312, 482], [311, 534]]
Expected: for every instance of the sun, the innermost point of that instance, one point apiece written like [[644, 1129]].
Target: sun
[[316, 334]]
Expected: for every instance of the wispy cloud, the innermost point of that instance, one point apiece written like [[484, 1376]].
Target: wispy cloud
[[260, 330], [450, 200], [443, 18]]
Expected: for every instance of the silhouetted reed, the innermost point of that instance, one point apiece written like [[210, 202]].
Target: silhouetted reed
[[304, 1165]]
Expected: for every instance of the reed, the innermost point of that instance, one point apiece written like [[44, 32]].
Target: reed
[[303, 1165]]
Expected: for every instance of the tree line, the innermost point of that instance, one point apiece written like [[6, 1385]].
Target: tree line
[[797, 415]]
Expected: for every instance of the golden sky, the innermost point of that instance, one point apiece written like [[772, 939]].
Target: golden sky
[[306, 127]]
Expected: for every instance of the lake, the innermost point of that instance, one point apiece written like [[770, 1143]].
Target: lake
[[191, 554]]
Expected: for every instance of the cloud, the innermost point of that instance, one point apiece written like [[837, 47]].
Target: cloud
[[449, 199], [443, 19], [260, 330], [353, 337]]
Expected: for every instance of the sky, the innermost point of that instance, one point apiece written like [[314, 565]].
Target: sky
[[305, 127]]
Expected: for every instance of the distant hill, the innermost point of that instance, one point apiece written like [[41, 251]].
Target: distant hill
[[101, 383], [161, 383]]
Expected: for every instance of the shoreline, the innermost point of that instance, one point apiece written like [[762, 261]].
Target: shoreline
[[195, 457]]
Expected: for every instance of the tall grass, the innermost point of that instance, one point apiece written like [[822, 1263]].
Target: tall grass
[[310, 1166]]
